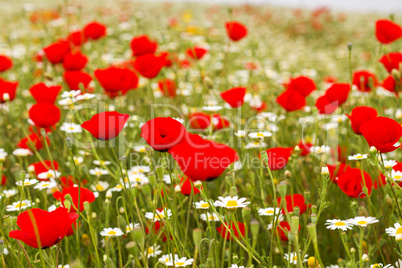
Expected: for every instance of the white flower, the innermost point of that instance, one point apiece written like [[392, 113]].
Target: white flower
[[255, 145], [365, 257], [278, 220], [49, 174], [140, 149], [22, 152], [159, 215], [261, 134], [138, 169], [182, 262], [357, 157], [166, 179], [396, 175], [390, 164], [16, 206], [52, 208], [338, 224], [46, 185], [100, 186], [153, 251], [268, 211], [117, 188], [236, 266], [98, 172], [167, 259], [292, 258], [71, 128], [231, 202], [324, 170], [320, 149], [63, 266], [362, 221], [111, 232], [101, 163], [10, 193], [380, 265], [212, 108], [3, 155], [67, 101], [78, 160], [240, 133], [86, 96], [210, 216], [393, 231], [201, 205], [139, 178], [70, 94], [131, 226], [27, 182]]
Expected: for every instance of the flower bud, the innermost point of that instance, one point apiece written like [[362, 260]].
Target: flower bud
[[324, 171], [296, 211], [396, 75], [255, 228], [69, 143], [365, 257], [311, 228], [6, 97], [67, 204], [233, 191], [246, 214], [197, 236], [282, 188], [352, 250], [294, 224], [307, 196], [208, 82], [85, 240], [108, 194], [312, 262], [264, 157], [373, 149], [121, 223], [288, 174], [86, 206]]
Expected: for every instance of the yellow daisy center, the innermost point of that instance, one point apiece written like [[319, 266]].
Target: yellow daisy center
[[98, 173], [142, 150], [361, 222], [119, 186], [376, 265], [180, 263], [99, 187], [295, 258], [359, 156], [20, 205], [397, 177], [399, 230], [260, 135], [45, 185], [270, 211], [232, 203], [159, 216], [150, 251], [111, 233], [339, 223], [211, 218], [205, 205], [71, 128], [27, 183]]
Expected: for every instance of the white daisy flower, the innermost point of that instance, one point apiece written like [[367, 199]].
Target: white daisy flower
[[131, 226], [10, 193], [182, 262], [380, 265], [67, 101], [201, 205], [338, 224], [278, 220], [388, 164], [396, 175], [140, 149], [362, 221], [63, 266], [153, 251], [85, 96], [98, 172], [70, 94], [138, 169], [320, 149], [338, 118], [16, 206], [22, 152], [27, 182], [357, 157], [100, 186], [71, 128], [78, 160], [212, 108], [269, 211], [393, 231], [117, 188], [167, 259], [292, 258], [260, 134], [52, 208], [139, 178], [50, 174], [159, 215], [240, 133], [46, 185], [210, 216], [101, 163], [111, 232], [258, 145], [231, 202], [166, 179], [3, 155]]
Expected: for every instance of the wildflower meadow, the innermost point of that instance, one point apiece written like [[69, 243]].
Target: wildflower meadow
[[153, 134]]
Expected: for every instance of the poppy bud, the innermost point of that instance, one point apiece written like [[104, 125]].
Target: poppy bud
[[313, 218], [246, 214], [307, 196], [197, 236], [69, 143], [233, 191], [139, 236], [296, 211], [109, 263], [311, 228], [282, 188], [23, 175], [152, 179], [208, 82], [67, 204], [295, 224], [363, 211], [350, 47], [159, 171], [264, 157], [255, 228], [121, 222], [8, 220], [86, 206]]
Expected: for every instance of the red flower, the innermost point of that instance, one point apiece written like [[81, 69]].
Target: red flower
[[3, 180], [162, 133], [44, 114], [278, 157], [295, 200], [75, 78], [219, 122], [285, 226], [336, 172], [302, 84], [202, 160], [56, 52], [234, 96], [364, 81], [186, 186], [77, 38], [351, 182], [291, 100], [361, 115], [115, 80], [43, 93], [168, 87], [304, 147], [94, 30], [141, 45], [381, 181], [390, 85], [40, 167], [196, 52], [34, 140], [5, 63], [69, 181], [149, 65], [324, 106], [86, 195], [235, 30], [7, 87], [387, 31], [75, 61], [47, 227], [338, 93], [391, 61], [225, 233], [383, 133], [199, 120], [106, 125]]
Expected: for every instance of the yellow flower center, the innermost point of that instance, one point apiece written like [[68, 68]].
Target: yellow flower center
[[142, 150], [19, 205], [376, 265], [211, 218], [361, 222], [150, 251], [180, 263], [339, 223], [138, 179], [119, 186], [295, 258], [98, 173], [260, 135], [359, 156], [397, 177], [399, 230], [27, 183], [71, 128], [111, 233], [99, 187], [45, 185], [205, 205], [159, 216], [270, 211], [232, 203]]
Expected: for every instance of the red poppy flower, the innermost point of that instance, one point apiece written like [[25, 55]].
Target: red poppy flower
[[94, 30], [285, 226], [56, 52], [261, 108], [77, 38], [75, 78], [34, 140], [234, 96], [361, 115], [44, 93], [291, 100], [390, 85], [141, 45], [86, 195], [324, 106], [335, 172], [75, 61], [115, 80], [295, 200], [9, 89], [202, 160], [149, 65], [365, 81], [5, 63], [381, 181], [305, 148], [383, 133], [51, 227], [338, 93], [44, 114], [162, 133], [387, 31], [168, 87], [70, 181], [199, 120], [186, 185], [278, 157], [168, 58], [196, 52], [106, 125], [219, 122], [302, 84], [3, 180], [235, 30], [225, 233], [391, 61], [40, 167], [351, 182]]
